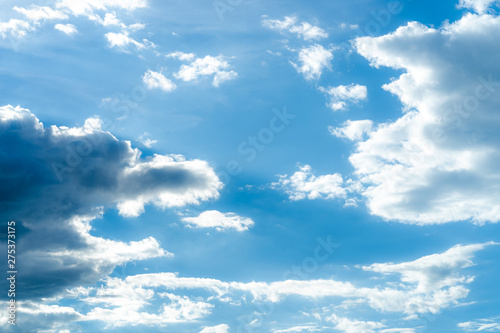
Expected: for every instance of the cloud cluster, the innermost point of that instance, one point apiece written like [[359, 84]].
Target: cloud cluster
[[100, 12], [437, 162], [304, 184], [60, 178], [340, 96], [207, 66], [427, 285]]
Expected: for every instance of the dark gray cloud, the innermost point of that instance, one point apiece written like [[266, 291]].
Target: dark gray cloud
[[55, 180]]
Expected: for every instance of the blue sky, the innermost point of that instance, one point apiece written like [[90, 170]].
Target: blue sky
[[246, 166]]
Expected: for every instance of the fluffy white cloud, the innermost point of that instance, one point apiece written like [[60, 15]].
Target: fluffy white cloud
[[340, 96], [313, 60], [66, 9], [146, 141], [437, 163], [181, 56], [481, 325], [219, 221], [222, 328], [15, 28], [155, 80], [68, 29], [304, 30], [479, 6], [207, 66], [353, 130], [122, 40], [304, 184]]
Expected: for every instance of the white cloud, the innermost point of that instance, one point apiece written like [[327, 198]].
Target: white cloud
[[68, 29], [157, 299], [481, 325], [39, 13], [354, 326], [207, 66], [299, 329], [91, 9], [181, 56], [88, 7], [122, 40], [342, 95], [313, 60], [15, 28], [437, 163], [304, 184], [303, 29], [219, 221], [353, 130], [146, 141], [347, 325], [155, 80], [479, 6], [434, 271], [222, 328], [128, 303]]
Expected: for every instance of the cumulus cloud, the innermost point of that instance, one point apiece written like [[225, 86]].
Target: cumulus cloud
[[437, 163], [155, 80], [479, 6], [304, 184], [353, 130], [313, 60], [207, 66], [56, 178], [68, 29], [219, 221], [304, 30], [340, 96]]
